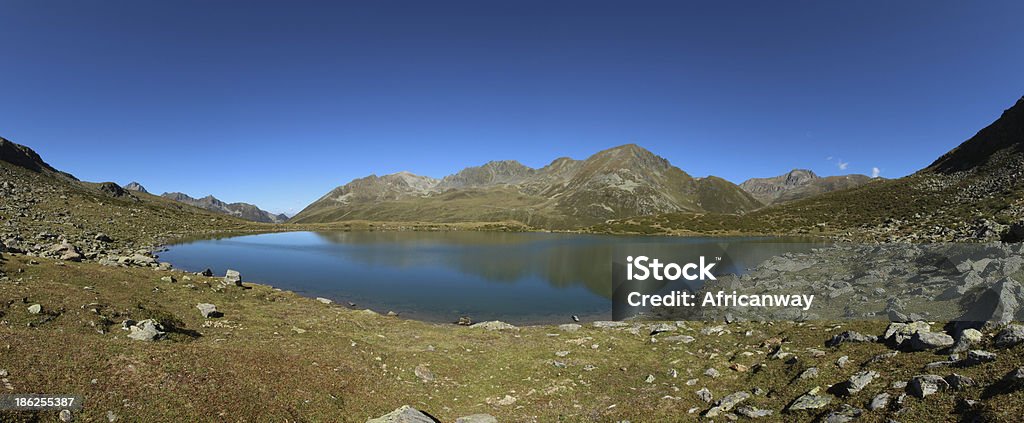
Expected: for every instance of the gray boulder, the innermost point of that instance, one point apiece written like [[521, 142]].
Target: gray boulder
[[727, 403], [232, 277], [1010, 336], [477, 418], [494, 325], [922, 341], [404, 414], [209, 310], [924, 385], [812, 400], [146, 330]]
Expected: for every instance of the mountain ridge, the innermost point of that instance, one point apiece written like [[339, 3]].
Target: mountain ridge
[[797, 184], [241, 210], [620, 181]]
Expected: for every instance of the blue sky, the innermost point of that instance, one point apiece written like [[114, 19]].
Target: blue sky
[[276, 103]]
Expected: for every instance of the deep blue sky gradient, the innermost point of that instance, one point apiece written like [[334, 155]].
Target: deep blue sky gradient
[[276, 103]]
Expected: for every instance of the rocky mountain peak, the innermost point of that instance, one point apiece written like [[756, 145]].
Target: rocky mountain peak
[[24, 157], [137, 187], [799, 177]]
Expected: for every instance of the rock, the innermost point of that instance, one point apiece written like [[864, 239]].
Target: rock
[[845, 413], [712, 372], [404, 414], [738, 367], [662, 327], [924, 385], [507, 400], [65, 416], [683, 339], [810, 373], [841, 362], [169, 279], [879, 401], [608, 324], [102, 237], [811, 400], [111, 416], [477, 418], [973, 336], [727, 403], [494, 325], [209, 310], [207, 273], [898, 333], [959, 382], [569, 327], [922, 341], [704, 395], [998, 303], [324, 300], [146, 330], [857, 382], [464, 321], [423, 372], [35, 309], [649, 379], [232, 277], [850, 336], [752, 412], [976, 357], [1010, 336]]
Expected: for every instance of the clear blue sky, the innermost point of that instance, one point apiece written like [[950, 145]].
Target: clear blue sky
[[276, 103]]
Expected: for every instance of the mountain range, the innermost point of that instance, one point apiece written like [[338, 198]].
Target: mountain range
[[241, 210], [618, 182], [798, 184]]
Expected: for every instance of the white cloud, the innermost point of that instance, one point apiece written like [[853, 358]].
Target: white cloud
[[829, 158], [875, 172], [842, 165]]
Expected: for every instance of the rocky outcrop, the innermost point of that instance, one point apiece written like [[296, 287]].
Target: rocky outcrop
[[798, 184], [241, 210]]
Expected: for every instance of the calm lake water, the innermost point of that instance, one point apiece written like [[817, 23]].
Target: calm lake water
[[520, 278]]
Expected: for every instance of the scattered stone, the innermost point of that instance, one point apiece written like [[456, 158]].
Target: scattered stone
[[146, 330], [841, 362], [102, 237], [232, 277], [662, 327], [403, 414], [753, 412], [976, 357], [682, 339], [727, 403], [649, 379], [857, 382], [924, 385], [879, 401], [898, 333], [850, 336], [712, 372], [494, 325], [35, 309], [1010, 336], [705, 395], [737, 367], [507, 400], [208, 273], [463, 320], [65, 416], [169, 279], [561, 353], [921, 341], [424, 373], [209, 310], [845, 413], [958, 382], [324, 300], [810, 373], [477, 418], [602, 324], [810, 401]]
